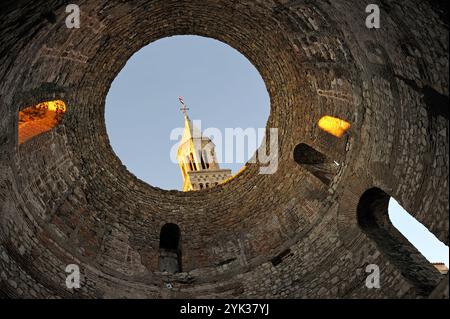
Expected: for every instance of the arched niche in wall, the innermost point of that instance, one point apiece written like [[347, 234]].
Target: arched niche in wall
[[315, 162], [373, 219], [170, 249], [40, 118]]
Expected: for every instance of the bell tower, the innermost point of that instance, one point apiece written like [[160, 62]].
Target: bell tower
[[197, 158]]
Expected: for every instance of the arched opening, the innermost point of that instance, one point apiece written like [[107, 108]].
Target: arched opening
[[206, 159], [223, 90], [202, 160], [315, 162], [435, 251], [373, 218], [170, 249], [40, 118]]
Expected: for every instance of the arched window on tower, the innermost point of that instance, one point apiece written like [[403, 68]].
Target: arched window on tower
[[38, 119], [374, 218], [189, 164], [193, 164], [202, 160], [206, 159], [170, 249], [315, 162]]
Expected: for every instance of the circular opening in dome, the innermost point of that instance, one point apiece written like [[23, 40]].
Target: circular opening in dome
[[187, 113]]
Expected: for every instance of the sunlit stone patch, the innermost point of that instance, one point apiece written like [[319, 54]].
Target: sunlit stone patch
[[39, 119]]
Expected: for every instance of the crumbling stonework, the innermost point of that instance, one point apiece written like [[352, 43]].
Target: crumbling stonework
[[65, 198]]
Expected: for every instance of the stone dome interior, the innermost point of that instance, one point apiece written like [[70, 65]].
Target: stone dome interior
[[307, 231]]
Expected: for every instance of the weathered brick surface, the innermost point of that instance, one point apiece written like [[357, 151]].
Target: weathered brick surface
[[66, 198]]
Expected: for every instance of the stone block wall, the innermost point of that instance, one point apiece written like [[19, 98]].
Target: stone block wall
[[65, 197]]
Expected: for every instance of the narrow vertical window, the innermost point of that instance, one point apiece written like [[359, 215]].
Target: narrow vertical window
[[170, 249], [206, 159], [202, 160], [189, 163], [193, 164]]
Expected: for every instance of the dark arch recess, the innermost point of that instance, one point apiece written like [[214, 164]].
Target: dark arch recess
[[170, 259], [315, 162], [170, 237]]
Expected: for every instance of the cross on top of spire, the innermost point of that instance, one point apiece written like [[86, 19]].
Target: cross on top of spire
[[183, 108]]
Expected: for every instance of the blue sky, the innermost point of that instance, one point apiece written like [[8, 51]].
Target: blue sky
[[417, 234], [223, 90], [219, 85]]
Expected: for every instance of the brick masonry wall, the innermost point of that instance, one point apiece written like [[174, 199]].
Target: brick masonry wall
[[66, 198]]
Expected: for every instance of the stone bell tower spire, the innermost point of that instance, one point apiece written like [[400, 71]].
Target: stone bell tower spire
[[197, 158]]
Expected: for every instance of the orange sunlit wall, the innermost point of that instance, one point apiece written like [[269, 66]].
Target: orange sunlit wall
[[334, 126], [39, 119]]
